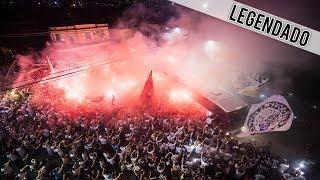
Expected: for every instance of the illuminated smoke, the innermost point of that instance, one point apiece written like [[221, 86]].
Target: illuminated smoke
[[187, 50]]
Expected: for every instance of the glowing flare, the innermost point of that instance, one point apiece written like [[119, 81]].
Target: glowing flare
[[180, 95], [110, 93], [74, 95], [177, 30], [210, 46]]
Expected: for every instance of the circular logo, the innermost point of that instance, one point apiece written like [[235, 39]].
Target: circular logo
[[268, 117]]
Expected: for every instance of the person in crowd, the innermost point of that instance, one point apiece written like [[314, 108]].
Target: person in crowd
[[39, 142]]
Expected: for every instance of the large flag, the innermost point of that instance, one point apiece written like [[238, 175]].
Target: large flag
[[248, 84], [273, 114], [147, 93]]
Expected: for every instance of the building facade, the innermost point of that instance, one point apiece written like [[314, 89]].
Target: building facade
[[121, 34], [80, 34]]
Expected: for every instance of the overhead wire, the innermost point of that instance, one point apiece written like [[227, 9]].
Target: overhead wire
[[78, 70]]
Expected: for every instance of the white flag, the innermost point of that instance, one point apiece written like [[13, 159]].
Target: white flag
[[273, 114], [209, 120], [248, 84]]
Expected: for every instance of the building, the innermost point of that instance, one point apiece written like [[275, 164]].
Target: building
[[121, 34], [80, 34]]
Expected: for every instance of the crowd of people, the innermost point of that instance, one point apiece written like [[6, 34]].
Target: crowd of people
[[39, 142]]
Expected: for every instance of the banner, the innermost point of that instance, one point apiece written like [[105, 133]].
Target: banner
[[147, 93], [273, 114], [248, 84]]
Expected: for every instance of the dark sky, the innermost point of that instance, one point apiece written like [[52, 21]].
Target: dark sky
[[305, 12], [301, 68]]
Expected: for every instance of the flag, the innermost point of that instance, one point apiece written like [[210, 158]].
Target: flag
[[273, 114], [147, 93], [248, 84], [209, 120]]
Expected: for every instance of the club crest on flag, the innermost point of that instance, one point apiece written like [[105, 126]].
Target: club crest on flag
[[273, 114]]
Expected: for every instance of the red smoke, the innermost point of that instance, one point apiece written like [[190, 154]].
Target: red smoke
[[118, 70]]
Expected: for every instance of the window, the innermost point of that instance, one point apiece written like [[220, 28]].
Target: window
[[58, 37], [71, 38], [101, 33], [87, 34]]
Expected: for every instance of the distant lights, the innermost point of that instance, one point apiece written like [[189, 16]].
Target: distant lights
[[210, 46], [262, 96], [173, 34], [177, 30], [210, 42], [205, 5]]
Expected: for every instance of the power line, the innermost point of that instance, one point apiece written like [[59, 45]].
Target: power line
[[25, 35], [103, 60], [76, 72], [35, 34]]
